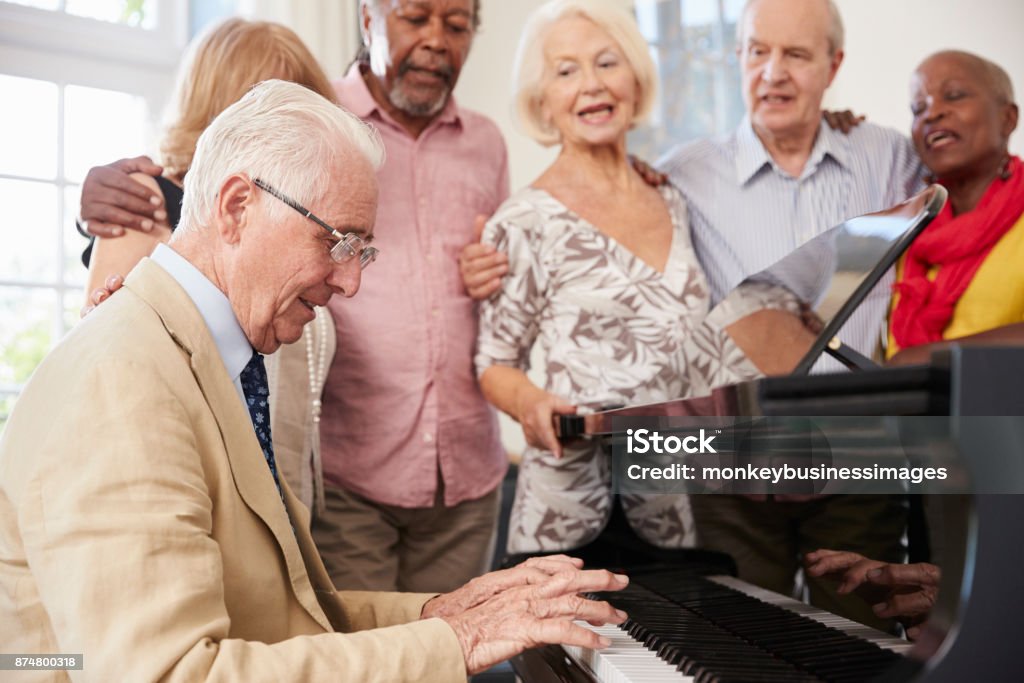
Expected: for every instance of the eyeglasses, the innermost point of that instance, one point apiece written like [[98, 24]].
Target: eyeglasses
[[349, 244]]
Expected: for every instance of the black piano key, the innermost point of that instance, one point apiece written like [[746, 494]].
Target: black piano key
[[715, 633]]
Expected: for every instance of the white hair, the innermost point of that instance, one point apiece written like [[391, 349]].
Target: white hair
[[529, 77], [284, 134], [836, 32]]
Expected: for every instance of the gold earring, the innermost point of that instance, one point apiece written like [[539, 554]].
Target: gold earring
[[1004, 173]]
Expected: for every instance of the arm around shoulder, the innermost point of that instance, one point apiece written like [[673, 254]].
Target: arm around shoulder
[[118, 255]]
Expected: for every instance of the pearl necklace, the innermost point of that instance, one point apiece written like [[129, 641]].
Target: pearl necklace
[[316, 364]]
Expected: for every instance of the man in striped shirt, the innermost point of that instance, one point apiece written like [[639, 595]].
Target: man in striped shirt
[[782, 177]]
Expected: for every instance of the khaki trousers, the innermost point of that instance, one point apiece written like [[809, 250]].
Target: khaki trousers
[[769, 538], [370, 546]]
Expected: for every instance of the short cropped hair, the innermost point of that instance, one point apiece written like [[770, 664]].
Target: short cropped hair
[[220, 66], [529, 74], [282, 133], [836, 32]]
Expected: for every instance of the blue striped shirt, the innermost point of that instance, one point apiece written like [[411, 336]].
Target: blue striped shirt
[[746, 213]]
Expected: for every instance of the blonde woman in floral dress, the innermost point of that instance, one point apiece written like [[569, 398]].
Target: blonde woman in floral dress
[[602, 280]]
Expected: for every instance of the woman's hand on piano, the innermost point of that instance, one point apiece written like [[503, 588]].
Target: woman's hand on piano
[[528, 606], [905, 592], [535, 411]]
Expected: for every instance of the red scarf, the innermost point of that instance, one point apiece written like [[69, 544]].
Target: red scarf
[[957, 246]]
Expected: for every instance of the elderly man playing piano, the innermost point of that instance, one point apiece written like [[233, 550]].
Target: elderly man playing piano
[[143, 524]]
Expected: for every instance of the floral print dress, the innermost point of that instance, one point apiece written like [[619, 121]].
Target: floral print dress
[[609, 330]]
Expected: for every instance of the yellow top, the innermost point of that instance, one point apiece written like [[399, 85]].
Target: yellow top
[[995, 296]]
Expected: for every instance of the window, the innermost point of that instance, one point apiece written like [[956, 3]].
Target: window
[[83, 82], [693, 43]]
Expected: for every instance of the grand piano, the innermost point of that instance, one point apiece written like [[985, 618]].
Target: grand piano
[[691, 620]]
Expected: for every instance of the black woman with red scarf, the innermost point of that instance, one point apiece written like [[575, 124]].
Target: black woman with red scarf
[[963, 278]]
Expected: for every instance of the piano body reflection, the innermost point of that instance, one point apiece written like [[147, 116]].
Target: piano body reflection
[[689, 620]]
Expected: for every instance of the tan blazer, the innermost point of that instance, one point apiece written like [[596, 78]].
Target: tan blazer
[[140, 526]]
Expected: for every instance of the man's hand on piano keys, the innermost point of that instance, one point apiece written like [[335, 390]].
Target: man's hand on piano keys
[[498, 615], [905, 592], [533, 571]]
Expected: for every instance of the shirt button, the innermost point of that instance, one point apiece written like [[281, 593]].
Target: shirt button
[[427, 437]]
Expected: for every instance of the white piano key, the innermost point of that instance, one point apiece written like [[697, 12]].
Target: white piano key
[[624, 661]]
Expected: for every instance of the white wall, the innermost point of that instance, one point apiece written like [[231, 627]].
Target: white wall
[[486, 83], [886, 39]]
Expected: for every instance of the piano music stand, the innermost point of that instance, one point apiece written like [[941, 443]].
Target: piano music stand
[[919, 211]]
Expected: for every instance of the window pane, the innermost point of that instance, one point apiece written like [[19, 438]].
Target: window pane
[[74, 272], [647, 19], [28, 136], [141, 13], [732, 10], [699, 12], [41, 4], [26, 331], [28, 233], [100, 126]]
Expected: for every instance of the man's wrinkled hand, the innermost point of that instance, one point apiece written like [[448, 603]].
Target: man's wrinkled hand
[[912, 592], [112, 201], [98, 296], [533, 571], [651, 176], [481, 265], [536, 613], [843, 121], [905, 592]]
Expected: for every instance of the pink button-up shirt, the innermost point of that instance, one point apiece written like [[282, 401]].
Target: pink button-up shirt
[[402, 401]]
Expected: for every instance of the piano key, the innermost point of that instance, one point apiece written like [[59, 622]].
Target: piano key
[[852, 628], [685, 627], [625, 660]]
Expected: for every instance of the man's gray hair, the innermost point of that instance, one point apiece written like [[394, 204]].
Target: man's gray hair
[[836, 32], [280, 132]]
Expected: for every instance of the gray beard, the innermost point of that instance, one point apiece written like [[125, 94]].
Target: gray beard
[[417, 109]]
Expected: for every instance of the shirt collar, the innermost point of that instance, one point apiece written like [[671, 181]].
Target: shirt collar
[[232, 344], [751, 156], [356, 96]]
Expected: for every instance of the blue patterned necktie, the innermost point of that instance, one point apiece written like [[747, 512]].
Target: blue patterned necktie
[[257, 393]]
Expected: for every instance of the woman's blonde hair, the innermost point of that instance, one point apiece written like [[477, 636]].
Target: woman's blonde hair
[[223, 65], [529, 74]]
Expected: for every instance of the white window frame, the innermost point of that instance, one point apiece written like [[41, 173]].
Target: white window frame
[[55, 30], [53, 46]]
